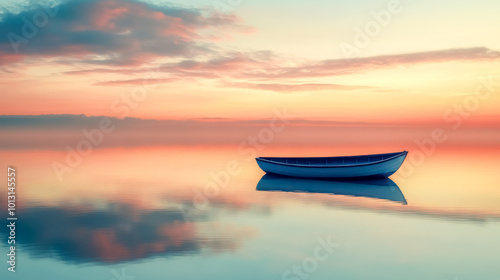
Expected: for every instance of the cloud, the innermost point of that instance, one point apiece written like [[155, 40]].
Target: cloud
[[124, 34], [145, 82], [108, 32], [268, 71], [56, 132], [265, 65], [118, 233], [338, 67], [295, 87]]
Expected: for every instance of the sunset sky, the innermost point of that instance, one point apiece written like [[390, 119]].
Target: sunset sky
[[350, 61]]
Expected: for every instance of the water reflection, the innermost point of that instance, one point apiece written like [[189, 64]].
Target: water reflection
[[383, 188], [113, 233]]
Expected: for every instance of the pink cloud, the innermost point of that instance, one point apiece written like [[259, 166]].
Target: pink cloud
[[295, 87], [125, 33], [265, 70], [8, 58], [105, 12]]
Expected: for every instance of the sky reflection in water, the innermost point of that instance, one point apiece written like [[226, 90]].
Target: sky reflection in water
[[148, 209]]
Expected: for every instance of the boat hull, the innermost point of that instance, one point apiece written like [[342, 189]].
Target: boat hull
[[371, 170]]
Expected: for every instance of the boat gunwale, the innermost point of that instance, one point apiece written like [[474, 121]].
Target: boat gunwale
[[404, 153]]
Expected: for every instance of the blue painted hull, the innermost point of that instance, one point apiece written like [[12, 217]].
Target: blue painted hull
[[380, 165]]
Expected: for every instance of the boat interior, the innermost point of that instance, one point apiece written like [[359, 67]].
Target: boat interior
[[331, 161]]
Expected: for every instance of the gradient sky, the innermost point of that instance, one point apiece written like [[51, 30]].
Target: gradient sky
[[242, 59]]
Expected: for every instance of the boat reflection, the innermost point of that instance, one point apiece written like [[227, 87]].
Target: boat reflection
[[383, 188]]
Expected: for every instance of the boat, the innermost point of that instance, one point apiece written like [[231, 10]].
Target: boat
[[363, 166], [379, 188]]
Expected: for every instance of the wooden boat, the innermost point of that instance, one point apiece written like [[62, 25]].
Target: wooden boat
[[378, 165], [379, 188]]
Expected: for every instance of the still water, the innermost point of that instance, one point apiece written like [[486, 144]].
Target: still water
[[207, 212]]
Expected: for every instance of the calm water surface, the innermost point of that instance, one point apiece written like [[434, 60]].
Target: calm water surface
[[196, 212]]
